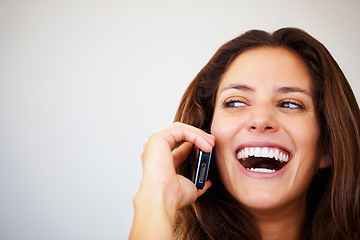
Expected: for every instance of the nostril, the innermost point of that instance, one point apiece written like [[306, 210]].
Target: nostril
[[259, 128]]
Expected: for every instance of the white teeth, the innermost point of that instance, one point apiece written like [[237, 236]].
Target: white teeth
[[240, 155], [271, 153], [286, 158], [251, 152], [262, 170], [257, 152], [276, 154], [265, 152]]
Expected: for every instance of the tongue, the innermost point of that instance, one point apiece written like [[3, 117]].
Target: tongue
[[260, 162]]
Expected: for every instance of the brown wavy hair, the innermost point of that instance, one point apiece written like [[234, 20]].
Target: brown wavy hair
[[333, 200]]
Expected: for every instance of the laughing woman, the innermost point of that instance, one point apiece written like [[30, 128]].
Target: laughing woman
[[284, 130]]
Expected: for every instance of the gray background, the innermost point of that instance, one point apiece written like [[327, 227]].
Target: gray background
[[84, 83]]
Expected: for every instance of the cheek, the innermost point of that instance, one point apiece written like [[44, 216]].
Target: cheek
[[307, 132], [225, 129], [306, 135], [224, 126]]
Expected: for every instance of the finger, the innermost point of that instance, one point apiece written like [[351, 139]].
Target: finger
[[158, 150], [210, 138], [190, 192], [206, 187], [181, 153], [181, 132]]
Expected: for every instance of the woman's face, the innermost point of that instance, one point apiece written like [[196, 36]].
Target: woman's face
[[267, 134]]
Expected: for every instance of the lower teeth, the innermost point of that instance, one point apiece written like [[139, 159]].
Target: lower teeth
[[262, 170]]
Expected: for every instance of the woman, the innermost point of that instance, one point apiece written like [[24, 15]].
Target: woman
[[284, 127]]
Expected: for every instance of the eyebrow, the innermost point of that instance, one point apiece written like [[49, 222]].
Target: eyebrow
[[247, 88], [242, 87], [293, 90]]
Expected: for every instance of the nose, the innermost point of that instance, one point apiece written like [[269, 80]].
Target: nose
[[262, 120]]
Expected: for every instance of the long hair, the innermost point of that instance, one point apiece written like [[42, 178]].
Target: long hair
[[334, 195]]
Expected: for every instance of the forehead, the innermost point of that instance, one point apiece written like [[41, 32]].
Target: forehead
[[268, 66]]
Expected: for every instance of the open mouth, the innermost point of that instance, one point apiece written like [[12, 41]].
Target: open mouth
[[263, 159]]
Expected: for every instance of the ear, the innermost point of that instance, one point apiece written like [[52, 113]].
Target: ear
[[325, 161]]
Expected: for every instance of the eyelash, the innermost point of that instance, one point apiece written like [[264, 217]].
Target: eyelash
[[230, 102], [296, 104], [282, 104]]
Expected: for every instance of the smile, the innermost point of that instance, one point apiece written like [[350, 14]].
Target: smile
[[263, 159]]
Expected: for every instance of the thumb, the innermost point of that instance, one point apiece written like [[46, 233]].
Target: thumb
[[189, 191]]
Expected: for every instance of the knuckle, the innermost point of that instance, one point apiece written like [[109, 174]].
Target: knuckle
[[176, 125], [153, 137]]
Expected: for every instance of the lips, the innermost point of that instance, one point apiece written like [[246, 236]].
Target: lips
[[263, 159]]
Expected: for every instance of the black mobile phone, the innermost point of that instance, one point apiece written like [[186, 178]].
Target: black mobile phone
[[202, 169]]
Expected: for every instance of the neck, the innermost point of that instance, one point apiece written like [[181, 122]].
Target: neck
[[285, 223]]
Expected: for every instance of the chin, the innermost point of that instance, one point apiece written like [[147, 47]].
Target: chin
[[261, 201]]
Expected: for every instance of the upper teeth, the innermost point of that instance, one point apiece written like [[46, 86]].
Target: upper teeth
[[265, 152]]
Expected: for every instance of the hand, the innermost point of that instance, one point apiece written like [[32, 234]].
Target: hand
[[160, 159], [162, 192]]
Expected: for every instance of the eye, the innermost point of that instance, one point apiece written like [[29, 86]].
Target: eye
[[233, 104], [291, 105]]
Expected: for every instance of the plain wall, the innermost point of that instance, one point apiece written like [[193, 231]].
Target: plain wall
[[84, 83]]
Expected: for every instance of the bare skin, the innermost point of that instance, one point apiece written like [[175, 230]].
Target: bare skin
[[161, 195], [264, 101]]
